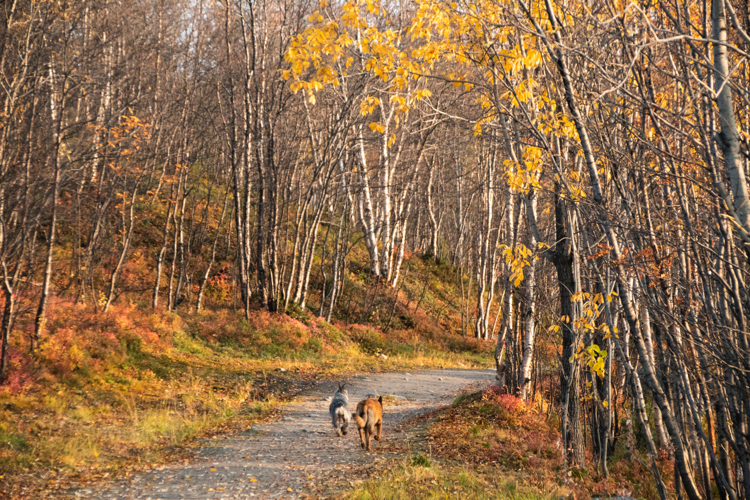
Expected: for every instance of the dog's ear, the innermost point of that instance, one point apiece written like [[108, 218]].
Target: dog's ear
[[380, 400], [342, 385]]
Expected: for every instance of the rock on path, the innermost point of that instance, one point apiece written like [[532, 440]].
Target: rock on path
[[293, 457]]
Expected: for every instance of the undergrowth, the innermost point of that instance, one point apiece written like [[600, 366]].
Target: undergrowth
[[490, 445]]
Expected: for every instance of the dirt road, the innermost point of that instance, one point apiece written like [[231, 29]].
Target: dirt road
[[300, 455]]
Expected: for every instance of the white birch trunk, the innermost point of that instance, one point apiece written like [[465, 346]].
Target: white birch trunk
[[366, 215], [528, 342], [729, 136]]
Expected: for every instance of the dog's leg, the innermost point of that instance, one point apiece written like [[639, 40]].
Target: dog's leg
[[370, 429], [362, 437], [344, 427], [379, 427], [335, 422]]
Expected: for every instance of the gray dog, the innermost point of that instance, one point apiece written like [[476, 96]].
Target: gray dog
[[339, 410]]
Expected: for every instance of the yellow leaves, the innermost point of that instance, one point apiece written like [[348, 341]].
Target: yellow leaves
[[311, 87], [533, 59], [597, 358], [477, 128], [568, 128], [525, 175], [368, 104], [372, 7], [329, 46], [576, 194], [324, 74], [422, 94], [400, 102], [532, 153], [516, 259], [484, 101], [522, 93], [377, 127], [397, 99], [597, 367]]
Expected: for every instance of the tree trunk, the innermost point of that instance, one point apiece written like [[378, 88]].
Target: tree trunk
[[529, 311], [729, 136], [160, 256], [57, 104], [204, 280]]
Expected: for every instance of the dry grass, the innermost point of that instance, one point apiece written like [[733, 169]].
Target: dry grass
[[425, 479]]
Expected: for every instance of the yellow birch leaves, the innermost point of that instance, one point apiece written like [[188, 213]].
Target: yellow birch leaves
[[517, 258]]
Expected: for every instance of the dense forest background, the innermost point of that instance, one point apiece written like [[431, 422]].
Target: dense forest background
[[581, 166]]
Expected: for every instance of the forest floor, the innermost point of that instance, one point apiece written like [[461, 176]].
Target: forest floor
[[297, 453]]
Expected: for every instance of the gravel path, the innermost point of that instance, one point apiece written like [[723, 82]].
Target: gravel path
[[300, 455]]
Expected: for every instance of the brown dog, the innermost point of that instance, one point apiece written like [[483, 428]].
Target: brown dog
[[369, 415]]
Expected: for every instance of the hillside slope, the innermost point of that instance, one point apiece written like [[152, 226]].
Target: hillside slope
[[106, 393]]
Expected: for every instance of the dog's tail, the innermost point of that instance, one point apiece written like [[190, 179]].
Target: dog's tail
[[361, 416], [360, 420], [365, 419]]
